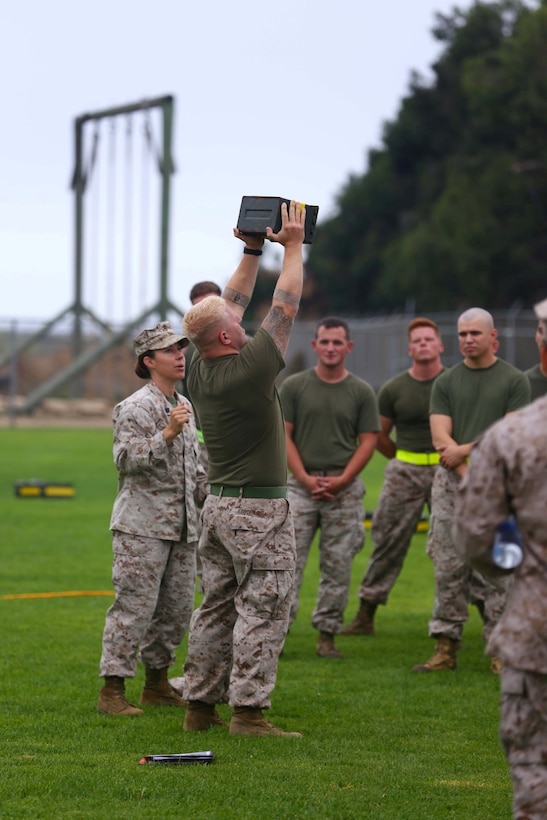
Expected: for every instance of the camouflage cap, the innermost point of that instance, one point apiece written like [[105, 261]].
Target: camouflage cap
[[156, 338]]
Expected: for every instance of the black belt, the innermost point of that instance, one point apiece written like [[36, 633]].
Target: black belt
[[225, 491], [327, 472]]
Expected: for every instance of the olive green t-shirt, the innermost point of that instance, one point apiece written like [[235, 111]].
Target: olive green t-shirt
[[328, 417], [189, 352], [405, 400], [538, 382], [240, 414], [477, 397]]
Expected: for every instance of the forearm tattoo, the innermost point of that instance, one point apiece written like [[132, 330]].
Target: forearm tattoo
[[278, 325], [236, 297], [287, 297]]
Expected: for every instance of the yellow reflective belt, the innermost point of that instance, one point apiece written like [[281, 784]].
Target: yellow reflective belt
[[417, 458], [200, 437]]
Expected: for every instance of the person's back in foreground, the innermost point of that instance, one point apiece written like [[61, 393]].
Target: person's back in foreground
[[247, 543], [506, 476]]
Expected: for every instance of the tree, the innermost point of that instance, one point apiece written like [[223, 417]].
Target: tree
[[451, 209]]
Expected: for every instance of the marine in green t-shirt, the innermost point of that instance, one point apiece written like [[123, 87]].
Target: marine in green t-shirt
[[475, 393], [538, 382], [474, 398], [405, 400], [328, 417], [244, 448], [537, 375], [198, 292], [247, 539], [465, 401], [412, 462], [331, 421]]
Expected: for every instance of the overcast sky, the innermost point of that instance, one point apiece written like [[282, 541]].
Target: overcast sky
[[273, 99]]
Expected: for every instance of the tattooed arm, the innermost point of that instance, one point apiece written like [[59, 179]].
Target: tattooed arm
[[279, 325], [286, 297], [241, 284]]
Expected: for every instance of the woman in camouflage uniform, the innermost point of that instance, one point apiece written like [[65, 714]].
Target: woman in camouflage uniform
[[154, 526]]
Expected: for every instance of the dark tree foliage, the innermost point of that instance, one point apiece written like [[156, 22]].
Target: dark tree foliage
[[452, 209]]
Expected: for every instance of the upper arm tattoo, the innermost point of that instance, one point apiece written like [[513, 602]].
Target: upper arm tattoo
[[286, 296], [278, 325], [236, 297]]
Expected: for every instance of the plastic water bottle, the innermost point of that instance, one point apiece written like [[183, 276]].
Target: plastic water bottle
[[507, 548]]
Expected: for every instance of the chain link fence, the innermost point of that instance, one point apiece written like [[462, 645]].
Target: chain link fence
[[380, 352], [381, 344]]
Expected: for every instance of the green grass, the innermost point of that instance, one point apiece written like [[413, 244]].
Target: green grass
[[380, 741]]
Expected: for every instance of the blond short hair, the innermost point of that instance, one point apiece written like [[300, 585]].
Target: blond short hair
[[203, 319]]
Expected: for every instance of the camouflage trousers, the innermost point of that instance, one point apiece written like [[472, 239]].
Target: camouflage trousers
[[204, 461], [154, 588], [523, 733], [456, 584], [405, 491], [238, 631], [342, 537]]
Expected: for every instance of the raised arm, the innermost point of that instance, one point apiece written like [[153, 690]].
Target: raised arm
[[241, 284], [286, 296]]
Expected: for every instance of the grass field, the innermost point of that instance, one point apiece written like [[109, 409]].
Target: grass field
[[380, 741]]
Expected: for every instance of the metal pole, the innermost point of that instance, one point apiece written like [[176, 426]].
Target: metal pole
[[166, 170], [78, 185], [13, 374], [153, 102], [510, 333]]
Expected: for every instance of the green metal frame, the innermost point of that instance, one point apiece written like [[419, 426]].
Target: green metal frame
[[81, 359]]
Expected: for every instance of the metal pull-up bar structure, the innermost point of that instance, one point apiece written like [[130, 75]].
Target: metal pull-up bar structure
[[81, 177], [79, 183]]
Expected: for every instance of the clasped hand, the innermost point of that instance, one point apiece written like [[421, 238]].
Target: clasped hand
[[324, 488]]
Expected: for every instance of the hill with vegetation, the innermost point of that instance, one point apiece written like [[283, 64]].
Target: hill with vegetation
[[451, 209]]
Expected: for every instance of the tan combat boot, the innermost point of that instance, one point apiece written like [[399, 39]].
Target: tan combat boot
[[444, 657], [177, 684], [201, 716], [326, 647], [496, 665], [246, 720], [158, 691], [363, 623], [112, 700]]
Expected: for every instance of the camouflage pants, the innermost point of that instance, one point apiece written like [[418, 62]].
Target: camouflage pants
[[523, 733], [204, 461], [154, 588], [405, 491], [455, 582], [342, 536], [237, 632]]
